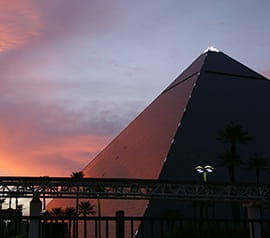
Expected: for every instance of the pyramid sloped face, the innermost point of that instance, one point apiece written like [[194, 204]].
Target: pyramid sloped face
[[233, 93], [140, 150], [193, 70], [240, 96], [220, 63]]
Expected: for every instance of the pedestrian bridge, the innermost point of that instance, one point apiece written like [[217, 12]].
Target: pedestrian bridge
[[116, 188], [111, 188]]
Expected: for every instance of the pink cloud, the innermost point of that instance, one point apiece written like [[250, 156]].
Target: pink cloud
[[33, 23], [42, 139], [60, 18], [19, 23], [57, 157], [45, 140]]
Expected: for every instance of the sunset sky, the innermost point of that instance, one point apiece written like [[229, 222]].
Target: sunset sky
[[74, 73]]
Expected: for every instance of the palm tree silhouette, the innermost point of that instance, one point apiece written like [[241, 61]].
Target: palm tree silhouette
[[234, 135], [70, 212], [230, 161], [56, 212], [98, 189], [86, 208], [77, 175], [257, 163]]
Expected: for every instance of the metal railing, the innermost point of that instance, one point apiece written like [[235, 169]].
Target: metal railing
[[121, 226], [111, 188]]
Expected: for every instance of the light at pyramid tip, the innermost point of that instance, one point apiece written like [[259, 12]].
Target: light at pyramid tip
[[212, 49]]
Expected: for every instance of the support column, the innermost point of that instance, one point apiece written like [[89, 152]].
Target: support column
[[120, 224], [35, 210], [254, 213]]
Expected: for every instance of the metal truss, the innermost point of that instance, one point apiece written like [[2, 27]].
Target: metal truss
[[107, 188]]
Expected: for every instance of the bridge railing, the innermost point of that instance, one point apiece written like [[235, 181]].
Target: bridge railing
[[111, 188]]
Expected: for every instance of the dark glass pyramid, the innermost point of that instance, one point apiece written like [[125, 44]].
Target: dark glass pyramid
[[178, 130]]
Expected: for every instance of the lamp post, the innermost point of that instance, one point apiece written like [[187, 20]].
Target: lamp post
[[204, 170]]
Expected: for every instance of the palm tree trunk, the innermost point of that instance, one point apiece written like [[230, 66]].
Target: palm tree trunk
[[233, 153], [69, 228], [85, 226], [235, 206], [231, 172], [74, 229], [99, 214], [258, 176], [85, 229], [77, 214]]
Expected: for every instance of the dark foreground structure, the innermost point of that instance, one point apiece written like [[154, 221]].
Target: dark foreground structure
[[126, 227], [64, 223], [178, 131]]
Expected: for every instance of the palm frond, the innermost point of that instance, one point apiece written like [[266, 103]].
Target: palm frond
[[257, 162], [233, 133]]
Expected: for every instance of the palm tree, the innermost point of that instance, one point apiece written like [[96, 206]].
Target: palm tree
[[257, 163], [77, 175], [99, 189], [230, 161], [234, 135], [56, 212], [86, 208], [70, 212]]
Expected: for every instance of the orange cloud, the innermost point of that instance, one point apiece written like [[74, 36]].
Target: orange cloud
[[57, 157], [19, 23], [43, 140]]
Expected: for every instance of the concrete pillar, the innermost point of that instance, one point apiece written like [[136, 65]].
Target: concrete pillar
[[255, 228], [35, 210]]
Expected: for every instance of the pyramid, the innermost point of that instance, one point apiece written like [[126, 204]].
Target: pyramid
[[178, 130]]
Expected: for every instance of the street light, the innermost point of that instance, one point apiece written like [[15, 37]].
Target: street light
[[204, 170]]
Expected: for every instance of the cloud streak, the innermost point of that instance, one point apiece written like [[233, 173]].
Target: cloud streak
[[39, 140], [40, 22], [42, 139]]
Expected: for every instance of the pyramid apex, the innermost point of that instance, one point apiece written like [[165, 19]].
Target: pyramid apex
[[212, 49]]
